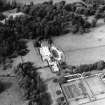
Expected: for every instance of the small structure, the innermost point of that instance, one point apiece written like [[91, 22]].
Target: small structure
[[53, 65], [45, 53], [52, 55]]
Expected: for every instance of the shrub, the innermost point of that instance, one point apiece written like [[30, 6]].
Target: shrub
[[1, 87], [4, 5], [2, 16], [55, 53], [62, 80], [55, 80], [62, 98], [82, 68], [98, 2], [91, 67], [45, 99], [58, 92], [94, 21], [59, 101], [63, 65], [33, 86], [74, 28], [100, 65]]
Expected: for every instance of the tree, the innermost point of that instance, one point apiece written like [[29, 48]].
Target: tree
[[55, 80], [74, 29], [2, 16], [62, 80], [58, 92], [21, 48], [45, 99], [63, 65], [68, 7], [100, 65], [33, 86], [81, 30], [1, 86], [94, 21]]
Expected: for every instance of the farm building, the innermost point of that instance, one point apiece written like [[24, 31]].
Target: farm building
[[48, 56]]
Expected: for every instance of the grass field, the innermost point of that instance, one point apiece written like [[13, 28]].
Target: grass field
[[83, 49]]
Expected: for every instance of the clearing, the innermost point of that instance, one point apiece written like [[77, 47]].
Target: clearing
[[83, 49]]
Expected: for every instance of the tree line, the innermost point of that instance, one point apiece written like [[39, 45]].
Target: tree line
[[35, 90], [99, 65], [45, 20]]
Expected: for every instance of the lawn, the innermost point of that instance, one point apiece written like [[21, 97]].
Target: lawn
[[83, 49]]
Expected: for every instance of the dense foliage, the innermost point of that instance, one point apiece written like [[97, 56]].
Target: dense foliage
[[1, 86], [98, 2], [46, 20], [54, 19], [33, 86], [100, 65], [10, 44], [41, 20], [7, 5], [96, 7]]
